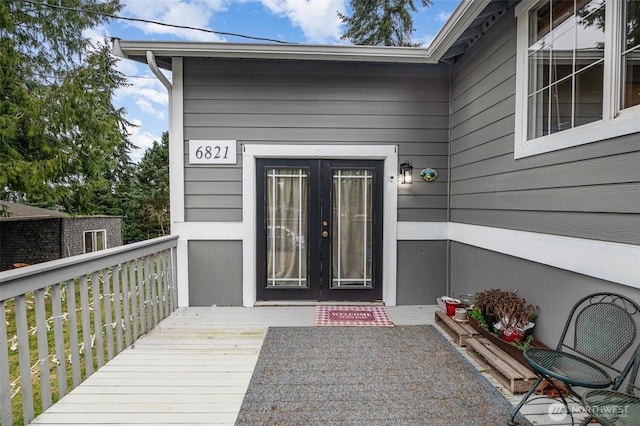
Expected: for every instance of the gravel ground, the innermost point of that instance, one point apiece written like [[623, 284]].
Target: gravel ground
[[406, 375]]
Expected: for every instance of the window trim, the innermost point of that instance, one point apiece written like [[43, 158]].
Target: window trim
[[94, 239], [615, 122]]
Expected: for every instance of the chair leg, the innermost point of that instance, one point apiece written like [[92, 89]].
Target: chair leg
[[562, 398], [524, 400]]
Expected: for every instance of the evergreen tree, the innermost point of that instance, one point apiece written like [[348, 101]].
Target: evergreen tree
[[380, 22], [146, 195], [60, 135]]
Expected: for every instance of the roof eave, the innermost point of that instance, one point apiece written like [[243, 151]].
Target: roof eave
[[138, 49], [461, 18]]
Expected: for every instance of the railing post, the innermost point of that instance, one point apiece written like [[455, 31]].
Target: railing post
[[58, 337], [174, 279], [73, 333], [43, 349], [86, 326], [6, 412], [108, 320], [116, 306], [140, 294], [97, 319], [24, 358]]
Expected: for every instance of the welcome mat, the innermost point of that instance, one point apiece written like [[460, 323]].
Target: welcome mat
[[403, 375], [352, 316]]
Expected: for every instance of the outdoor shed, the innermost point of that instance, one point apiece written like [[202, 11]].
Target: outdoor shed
[[518, 126], [30, 235]]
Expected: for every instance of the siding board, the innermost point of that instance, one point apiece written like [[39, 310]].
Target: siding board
[[620, 168], [602, 198], [317, 135], [619, 228], [317, 121], [438, 89], [388, 108]]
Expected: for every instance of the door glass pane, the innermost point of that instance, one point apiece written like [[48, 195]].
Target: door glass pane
[[352, 228], [286, 227]]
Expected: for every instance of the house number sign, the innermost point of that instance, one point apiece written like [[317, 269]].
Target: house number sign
[[212, 152]]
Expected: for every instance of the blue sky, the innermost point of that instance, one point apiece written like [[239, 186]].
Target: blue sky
[[300, 21]]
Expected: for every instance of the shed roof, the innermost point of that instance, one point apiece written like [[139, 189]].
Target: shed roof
[[21, 211]]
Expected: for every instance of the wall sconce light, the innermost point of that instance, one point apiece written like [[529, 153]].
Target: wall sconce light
[[406, 172]]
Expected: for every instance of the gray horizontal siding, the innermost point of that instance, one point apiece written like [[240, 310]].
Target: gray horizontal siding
[[422, 272], [215, 273], [281, 102], [591, 191], [623, 228]]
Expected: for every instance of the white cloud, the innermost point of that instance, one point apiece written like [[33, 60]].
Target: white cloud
[[144, 89], [142, 139], [195, 13], [318, 19], [444, 16], [424, 40], [145, 106]]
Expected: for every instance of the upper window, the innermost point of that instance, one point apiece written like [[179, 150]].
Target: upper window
[[95, 240], [578, 71]]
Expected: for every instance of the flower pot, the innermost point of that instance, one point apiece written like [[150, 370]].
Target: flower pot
[[451, 305], [512, 335]]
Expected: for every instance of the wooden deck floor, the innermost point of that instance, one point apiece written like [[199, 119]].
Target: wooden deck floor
[[193, 368]]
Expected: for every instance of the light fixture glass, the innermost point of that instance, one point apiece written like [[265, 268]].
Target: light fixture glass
[[406, 172]]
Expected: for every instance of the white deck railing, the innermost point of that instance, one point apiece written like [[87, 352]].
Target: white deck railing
[[62, 320]]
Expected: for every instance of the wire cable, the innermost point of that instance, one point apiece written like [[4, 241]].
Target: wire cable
[[147, 21]]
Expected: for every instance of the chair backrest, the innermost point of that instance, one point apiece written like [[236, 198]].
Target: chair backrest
[[604, 328]]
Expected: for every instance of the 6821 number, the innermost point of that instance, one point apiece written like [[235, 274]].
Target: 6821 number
[[212, 152]]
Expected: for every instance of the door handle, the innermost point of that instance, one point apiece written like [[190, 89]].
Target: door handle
[[325, 234]]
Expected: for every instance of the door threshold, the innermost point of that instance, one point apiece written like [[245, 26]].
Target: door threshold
[[315, 303]]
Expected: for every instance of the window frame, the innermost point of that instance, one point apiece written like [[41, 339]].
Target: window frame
[[94, 239], [615, 121]]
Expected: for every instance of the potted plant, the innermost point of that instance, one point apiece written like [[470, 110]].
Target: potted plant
[[506, 319]]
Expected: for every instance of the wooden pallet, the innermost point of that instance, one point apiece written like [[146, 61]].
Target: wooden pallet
[[458, 331], [513, 375]]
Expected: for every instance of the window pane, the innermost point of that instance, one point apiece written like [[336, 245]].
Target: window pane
[[589, 94], [88, 242], [561, 106], [632, 79], [566, 57], [538, 114], [100, 240], [632, 29], [539, 69], [631, 57]]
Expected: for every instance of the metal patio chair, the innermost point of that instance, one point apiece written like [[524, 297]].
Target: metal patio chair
[[595, 351], [614, 408]]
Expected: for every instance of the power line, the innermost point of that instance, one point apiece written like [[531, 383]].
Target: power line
[[147, 21]]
